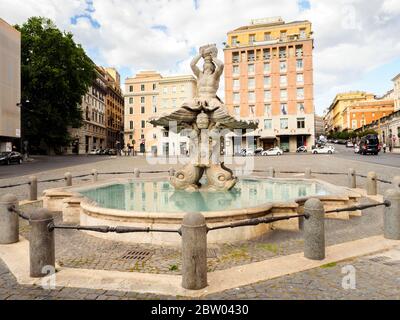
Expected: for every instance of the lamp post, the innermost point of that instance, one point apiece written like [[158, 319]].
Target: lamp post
[[24, 143]]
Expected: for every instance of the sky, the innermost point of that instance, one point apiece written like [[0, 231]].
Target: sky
[[357, 42]]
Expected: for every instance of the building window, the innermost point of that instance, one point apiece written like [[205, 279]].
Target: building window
[[174, 89], [299, 64], [236, 97], [235, 70], [299, 51], [142, 109], [131, 100], [284, 123], [300, 78], [143, 124], [283, 36], [130, 88], [235, 57], [301, 123], [282, 53], [234, 40], [302, 33], [131, 125], [154, 99], [252, 110], [283, 94], [251, 83], [250, 69], [252, 38], [267, 124], [267, 67], [130, 110], [283, 80], [267, 36], [142, 99], [236, 110], [283, 66], [142, 87], [154, 109], [267, 81], [154, 86], [300, 93], [268, 110], [267, 95], [266, 54], [284, 110], [252, 96], [131, 137], [236, 84], [300, 108]]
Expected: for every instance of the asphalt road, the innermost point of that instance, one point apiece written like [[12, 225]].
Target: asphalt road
[[386, 159], [44, 163]]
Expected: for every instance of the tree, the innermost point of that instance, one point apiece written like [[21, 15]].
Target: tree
[[56, 73], [366, 132]]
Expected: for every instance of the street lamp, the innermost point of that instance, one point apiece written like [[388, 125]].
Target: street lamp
[[24, 143]]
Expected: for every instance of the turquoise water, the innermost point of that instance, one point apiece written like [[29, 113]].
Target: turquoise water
[[160, 196]]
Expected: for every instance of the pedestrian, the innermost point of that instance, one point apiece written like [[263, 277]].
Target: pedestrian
[[384, 147]]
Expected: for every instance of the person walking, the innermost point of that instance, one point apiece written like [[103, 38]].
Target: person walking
[[384, 147]]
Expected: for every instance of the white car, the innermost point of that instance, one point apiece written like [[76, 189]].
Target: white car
[[324, 149], [273, 152]]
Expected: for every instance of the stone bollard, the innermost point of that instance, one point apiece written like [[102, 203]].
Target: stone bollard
[[314, 230], [396, 182], [171, 172], [194, 251], [9, 223], [32, 188], [136, 173], [351, 178], [307, 173], [68, 179], [41, 243], [95, 175], [391, 217], [371, 184], [271, 172]]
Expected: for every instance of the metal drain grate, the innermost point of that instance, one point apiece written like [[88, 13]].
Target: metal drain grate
[[211, 253], [137, 255]]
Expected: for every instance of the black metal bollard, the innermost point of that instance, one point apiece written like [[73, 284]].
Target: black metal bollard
[[194, 251], [9, 223], [41, 243], [314, 229], [391, 217]]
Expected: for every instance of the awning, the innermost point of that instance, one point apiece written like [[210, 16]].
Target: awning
[[293, 134], [268, 138]]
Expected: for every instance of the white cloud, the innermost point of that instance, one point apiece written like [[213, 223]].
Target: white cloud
[[352, 37]]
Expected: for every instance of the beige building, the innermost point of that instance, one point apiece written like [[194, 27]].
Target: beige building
[[149, 95], [93, 133], [269, 80], [396, 92], [10, 86]]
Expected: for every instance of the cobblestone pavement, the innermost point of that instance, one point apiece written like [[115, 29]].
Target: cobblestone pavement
[[375, 278]]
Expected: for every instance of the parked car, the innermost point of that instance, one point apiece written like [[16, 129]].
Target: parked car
[[302, 149], [10, 157], [247, 152], [356, 148], [94, 151], [349, 144], [370, 144], [112, 152], [273, 152], [324, 149], [258, 151]]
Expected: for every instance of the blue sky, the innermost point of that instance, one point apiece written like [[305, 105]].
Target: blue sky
[[357, 45]]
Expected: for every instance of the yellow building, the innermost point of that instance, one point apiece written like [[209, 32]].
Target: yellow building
[[148, 95], [336, 118]]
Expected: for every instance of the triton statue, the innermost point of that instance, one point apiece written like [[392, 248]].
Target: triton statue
[[204, 117]]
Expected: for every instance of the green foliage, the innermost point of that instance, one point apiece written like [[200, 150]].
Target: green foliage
[[329, 265], [366, 132], [56, 73]]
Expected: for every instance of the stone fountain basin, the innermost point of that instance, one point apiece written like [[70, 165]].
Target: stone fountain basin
[[79, 209]]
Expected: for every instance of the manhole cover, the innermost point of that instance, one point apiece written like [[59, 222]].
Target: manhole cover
[[211, 253], [138, 255]]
